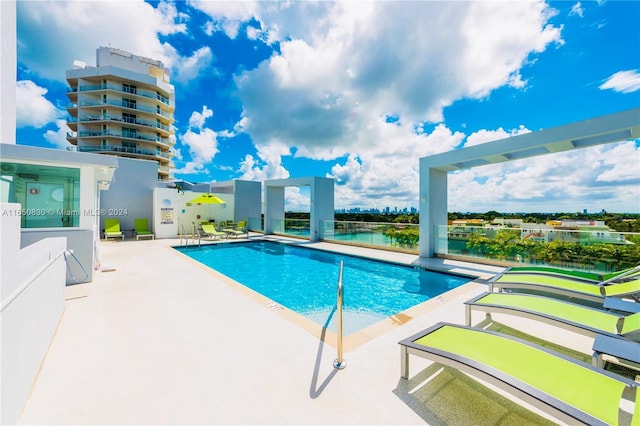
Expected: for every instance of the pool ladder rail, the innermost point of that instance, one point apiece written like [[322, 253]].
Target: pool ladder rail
[[340, 362], [194, 233]]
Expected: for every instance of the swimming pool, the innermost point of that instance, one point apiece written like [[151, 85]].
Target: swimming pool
[[305, 280]]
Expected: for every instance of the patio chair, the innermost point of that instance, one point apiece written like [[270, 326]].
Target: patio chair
[[209, 229], [567, 273], [579, 318], [620, 286], [142, 229], [112, 229], [568, 389], [239, 229]]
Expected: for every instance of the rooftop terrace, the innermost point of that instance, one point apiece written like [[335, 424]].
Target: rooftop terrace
[[164, 340]]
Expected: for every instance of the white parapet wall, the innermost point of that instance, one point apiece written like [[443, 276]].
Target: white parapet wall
[[32, 283]]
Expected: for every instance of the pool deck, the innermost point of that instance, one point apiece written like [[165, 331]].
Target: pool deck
[[161, 339]]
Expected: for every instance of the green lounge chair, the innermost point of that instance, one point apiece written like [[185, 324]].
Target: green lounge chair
[[239, 229], [566, 388], [546, 270], [579, 318], [210, 230], [142, 229], [628, 286], [567, 273], [112, 229]]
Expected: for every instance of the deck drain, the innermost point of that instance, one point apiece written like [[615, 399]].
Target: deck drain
[[275, 306]]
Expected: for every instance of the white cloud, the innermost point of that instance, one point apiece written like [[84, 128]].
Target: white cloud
[[596, 178], [227, 15], [189, 68], [623, 82], [343, 67], [201, 142], [620, 163], [131, 25], [268, 165], [198, 118], [483, 136], [58, 138], [577, 9], [32, 107]]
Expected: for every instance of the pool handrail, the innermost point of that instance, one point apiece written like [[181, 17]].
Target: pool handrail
[[340, 362]]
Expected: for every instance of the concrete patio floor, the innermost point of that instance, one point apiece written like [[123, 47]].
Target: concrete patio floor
[[163, 340]]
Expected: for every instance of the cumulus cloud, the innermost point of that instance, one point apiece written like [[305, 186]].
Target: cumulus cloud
[[623, 82], [58, 138], [187, 69], [201, 142], [267, 165], [328, 91], [545, 183], [101, 23], [483, 136], [577, 9], [32, 107]]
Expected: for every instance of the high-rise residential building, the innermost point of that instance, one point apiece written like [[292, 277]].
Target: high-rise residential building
[[123, 106]]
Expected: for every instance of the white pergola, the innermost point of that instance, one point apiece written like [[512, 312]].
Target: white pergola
[[321, 199], [616, 127]]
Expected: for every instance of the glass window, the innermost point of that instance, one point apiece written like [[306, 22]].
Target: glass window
[[48, 196]]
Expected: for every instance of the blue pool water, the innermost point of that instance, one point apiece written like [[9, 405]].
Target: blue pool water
[[305, 280]]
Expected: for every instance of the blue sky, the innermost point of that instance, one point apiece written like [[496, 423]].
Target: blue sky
[[359, 91]]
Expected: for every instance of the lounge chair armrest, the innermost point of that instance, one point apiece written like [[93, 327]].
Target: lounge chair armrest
[[617, 304], [619, 348]]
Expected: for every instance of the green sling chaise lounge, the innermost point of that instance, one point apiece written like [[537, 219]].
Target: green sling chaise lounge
[[575, 317], [112, 229], [627, 286], [568, 389], [567, 273], [142, 229], [239, 229], [211, 231]]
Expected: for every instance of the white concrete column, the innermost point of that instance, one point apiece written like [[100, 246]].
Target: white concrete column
[[274, 206], [433, 206], [322, 205]]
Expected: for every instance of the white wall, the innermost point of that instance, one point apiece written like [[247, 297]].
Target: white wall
[[170, 211], [78, 240], [130, 195], [8, 66], [32, 282]]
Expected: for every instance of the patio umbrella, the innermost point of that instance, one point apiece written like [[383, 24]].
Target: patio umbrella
[[207, 199]]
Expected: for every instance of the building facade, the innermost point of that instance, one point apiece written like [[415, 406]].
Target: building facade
[[123, 106]]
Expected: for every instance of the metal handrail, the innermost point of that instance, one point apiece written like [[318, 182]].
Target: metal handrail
[[339, 362], [194, 233], [70, 252], [184, 234]]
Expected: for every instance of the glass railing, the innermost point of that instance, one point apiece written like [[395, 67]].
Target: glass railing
[[299, 228], [389, 236], [147, 123], [256, 224], [124, 135], [120, 88], [600, 251], [123, 104], [127, 150]]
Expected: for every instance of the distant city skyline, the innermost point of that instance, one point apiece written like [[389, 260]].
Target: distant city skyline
[[360, 91]]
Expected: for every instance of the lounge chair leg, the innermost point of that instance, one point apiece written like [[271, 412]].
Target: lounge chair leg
[[404, 362], [467, 315]]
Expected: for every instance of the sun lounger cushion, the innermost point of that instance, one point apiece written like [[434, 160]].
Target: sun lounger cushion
[[588, 276], [579, 390], [567, 286], [588, 320], [112, 229]]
